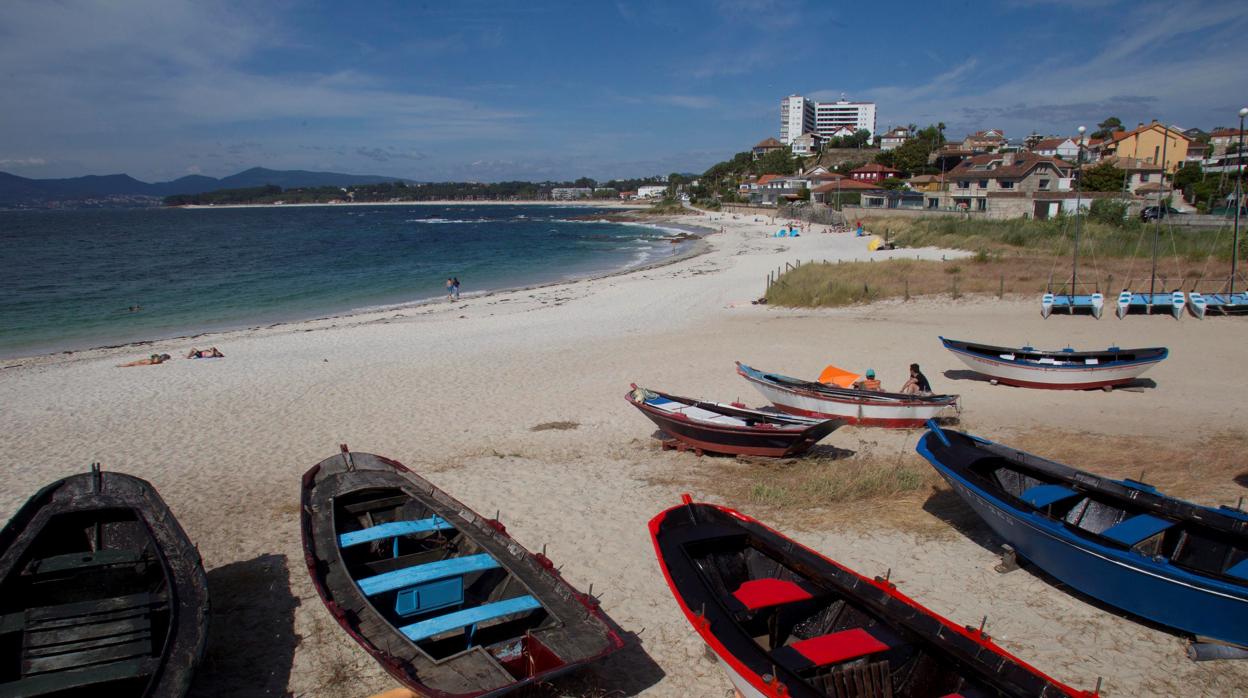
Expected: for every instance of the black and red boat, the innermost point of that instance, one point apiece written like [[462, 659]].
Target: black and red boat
[[445, 600], [101, 593], [785, 621], [730, 429]]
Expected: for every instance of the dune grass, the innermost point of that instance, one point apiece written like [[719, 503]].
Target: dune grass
[[1020, 256], [818, 284], [1055, 237]]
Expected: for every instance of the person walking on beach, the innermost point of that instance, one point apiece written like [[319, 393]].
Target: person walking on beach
[[917, 383], [450, 289], [455, 287]]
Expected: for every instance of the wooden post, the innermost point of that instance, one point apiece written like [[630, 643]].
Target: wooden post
[[907, 282], [955, 288], [1001, 288]]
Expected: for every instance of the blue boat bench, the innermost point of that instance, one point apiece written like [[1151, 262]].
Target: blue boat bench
[[393, 529], [1136, 529], [469, 618], [1041, 496], [1239, 569]]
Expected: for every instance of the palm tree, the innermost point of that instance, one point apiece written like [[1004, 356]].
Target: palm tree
[[940, 128]]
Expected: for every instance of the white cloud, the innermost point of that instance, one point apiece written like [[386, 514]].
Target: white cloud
[[22, 162], [1171, 62], [93, 78]]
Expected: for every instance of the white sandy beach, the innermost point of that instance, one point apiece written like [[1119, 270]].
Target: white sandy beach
[[453, 391]]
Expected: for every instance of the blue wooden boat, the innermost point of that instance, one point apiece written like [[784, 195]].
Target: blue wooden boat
[[1122, 542], [442, 598]]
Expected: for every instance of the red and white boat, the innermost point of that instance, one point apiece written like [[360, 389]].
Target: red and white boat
[[1066, 369], [787, 622], [863, 407]]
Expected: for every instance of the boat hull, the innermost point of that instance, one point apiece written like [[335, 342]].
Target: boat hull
[[771, 435], [1053, 378], [894, 415], [1122, 579]]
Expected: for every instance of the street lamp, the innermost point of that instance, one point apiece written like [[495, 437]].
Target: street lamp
[[1074, 272]]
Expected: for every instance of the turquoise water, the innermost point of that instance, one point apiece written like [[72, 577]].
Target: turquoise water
[[70, 277]]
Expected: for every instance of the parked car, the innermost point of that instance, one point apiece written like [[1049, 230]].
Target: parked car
[[1152, 213]]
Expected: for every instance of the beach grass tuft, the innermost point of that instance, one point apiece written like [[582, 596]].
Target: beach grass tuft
[[556, 426]]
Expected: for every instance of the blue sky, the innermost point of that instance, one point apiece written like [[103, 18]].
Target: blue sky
[[552, 90]]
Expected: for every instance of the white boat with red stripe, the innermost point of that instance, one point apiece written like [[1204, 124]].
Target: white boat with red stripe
[[862, 407]]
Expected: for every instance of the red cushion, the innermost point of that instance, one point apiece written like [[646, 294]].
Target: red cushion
[[839, 647], [761, 593]]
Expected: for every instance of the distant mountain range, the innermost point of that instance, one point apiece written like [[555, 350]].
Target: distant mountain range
[[21, 191]]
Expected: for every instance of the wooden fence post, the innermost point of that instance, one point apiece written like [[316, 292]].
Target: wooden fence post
[[1001, 288], [907, 282], [955, 288]]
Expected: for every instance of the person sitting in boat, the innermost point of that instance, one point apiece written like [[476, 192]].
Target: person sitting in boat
[[869, 382], [149, 361], [917, 383], [211, 353]]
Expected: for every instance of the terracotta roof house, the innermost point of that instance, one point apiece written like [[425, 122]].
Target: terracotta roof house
[[981, 141], [1139, 173], [976, 181], [1151, 142], [926, 183], [1064, 148], [894, 138], [766, 146], [826, 193], [1222, 138], [873, 172]]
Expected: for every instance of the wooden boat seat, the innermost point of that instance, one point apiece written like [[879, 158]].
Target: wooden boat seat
[[84, 643], [694, 412], [1136, 529], [421, 574], [1239, 569], [833, 648], [84, 560], [469, 618], [756, 594], [393, 529], [1041, 496]]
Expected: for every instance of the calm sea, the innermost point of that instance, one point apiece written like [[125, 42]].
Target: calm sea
[[69, 278]]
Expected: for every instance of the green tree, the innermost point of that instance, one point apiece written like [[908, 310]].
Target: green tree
[[776, 162], [1107, 127], [1111, 211], [1102, 177], [892, 183]]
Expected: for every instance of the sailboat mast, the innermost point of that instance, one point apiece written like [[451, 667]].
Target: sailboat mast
[[1152, 282], [1239, 203], [1074, 272]]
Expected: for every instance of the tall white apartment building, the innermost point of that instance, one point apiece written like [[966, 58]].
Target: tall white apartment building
[[799, 115]]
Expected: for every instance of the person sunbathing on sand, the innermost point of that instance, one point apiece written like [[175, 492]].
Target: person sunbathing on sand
[[212, 353], [149, 361]]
